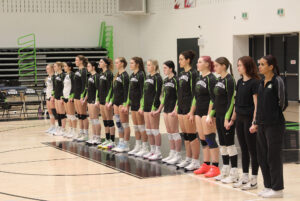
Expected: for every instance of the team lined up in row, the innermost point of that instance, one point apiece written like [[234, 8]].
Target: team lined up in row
[[198, 102]]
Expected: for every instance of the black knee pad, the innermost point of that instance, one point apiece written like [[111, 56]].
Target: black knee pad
[[185, 136], [79, 116], [110, 123], [192, 136], [211, 141], [54, 113], [63, 116], [203, 143], [119, 124], [105, 122], [83, 116]]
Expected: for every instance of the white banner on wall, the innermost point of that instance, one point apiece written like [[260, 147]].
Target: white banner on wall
[[178, 4]]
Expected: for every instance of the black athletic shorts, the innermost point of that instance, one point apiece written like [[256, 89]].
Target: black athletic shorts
[[135, 107], [183, 110], [201, 112], [65, 100]]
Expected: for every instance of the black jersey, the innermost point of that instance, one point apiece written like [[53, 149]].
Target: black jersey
[[68, 90], [58, 85], [245, 90], [186, 89], [120, 89], [169, 98], [151, 93], [136, 87], [80, 80], [204, 93], [105, 86], [224, 97], [92, 88]]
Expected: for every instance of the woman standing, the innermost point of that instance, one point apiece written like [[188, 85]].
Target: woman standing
[[223, 108], [136, 87], [120, 94], [50, 104], [201, 107], [186, 91], [105, 87], [58, 97], [68, 93], [270, 123], [80, 81], [90, 98], [168, 102], [150, 103], [244, 115]]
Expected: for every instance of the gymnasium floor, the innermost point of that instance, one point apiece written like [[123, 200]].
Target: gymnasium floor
[[36, 166]]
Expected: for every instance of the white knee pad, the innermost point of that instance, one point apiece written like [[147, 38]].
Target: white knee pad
[[141, 128], [51, 116], [68, 117], [125, 125], [148, 131], [169, 136], [223, 150], [136, 128], [232, 151], [176, 136], [155, 132], [73, 117]]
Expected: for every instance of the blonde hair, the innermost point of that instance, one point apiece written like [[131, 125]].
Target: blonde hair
[[60, 64], [155, 64]]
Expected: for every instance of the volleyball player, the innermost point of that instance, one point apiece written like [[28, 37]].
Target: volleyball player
[[50, 104]]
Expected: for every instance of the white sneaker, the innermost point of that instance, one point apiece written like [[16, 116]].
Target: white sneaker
[[175, 159], [224, 173], [249, 186], [53, 131], [156, 156], [65, 133], [79, 135], [273, 194], [91, 140], [71, 133], [109, 145], [117, 147], [143, 151], [84, 137], [123, 148], [58, 132], [148, 154], [136, 149], [171, 154], [265, 190], [97, 140], [233, 176], [242, 181], [194, 165], [184, 163], [49, 129]]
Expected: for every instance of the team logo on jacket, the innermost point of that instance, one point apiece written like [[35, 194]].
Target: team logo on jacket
[[78, 74], [119, 79], [202, 83], [133, 79], [150, 81], [221, 85], [270, 86], [102, 77], [169, 84], [184, 77], [58, 78], [91, 80]]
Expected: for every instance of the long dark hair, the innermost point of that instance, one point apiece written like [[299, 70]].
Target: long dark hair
[[94, 64], [139, 62], [189, 54], [250, 66], [271, 60], [171, 65], [225, 61], [70, 65]]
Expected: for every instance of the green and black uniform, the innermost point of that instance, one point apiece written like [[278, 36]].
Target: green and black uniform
[[136, 88], [169, 98], [58, 86], [105, 87], [120, 89], [80, 81], [204, 93], [68, 90], [186, 90], [92, 88], [151, 94]]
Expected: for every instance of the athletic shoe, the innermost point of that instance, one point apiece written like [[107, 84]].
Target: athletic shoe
[[273, 194], [142, 152], [58, 131], [175, 159], [117, 147], [49, 129], [123, 148], [103, 144], [97, 140], [156, 156], [91, 140], [84, 137], [265, 190], [149, 154], [109, 145], [171, 154], [65, 133], [212, 172], [79, 136], [250, 185], [136, 149], [224, 173], [233, 176], [242, 181], [194, 165], [71, 133], [53, 131], [184, 163], [204, 168]]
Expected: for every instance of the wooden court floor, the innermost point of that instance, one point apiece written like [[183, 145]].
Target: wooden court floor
[[31, 170]]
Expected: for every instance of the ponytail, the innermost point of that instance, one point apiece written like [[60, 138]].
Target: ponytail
[[139, 62], [170, 64], [271, 60], [83, 59], [225, 61]]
